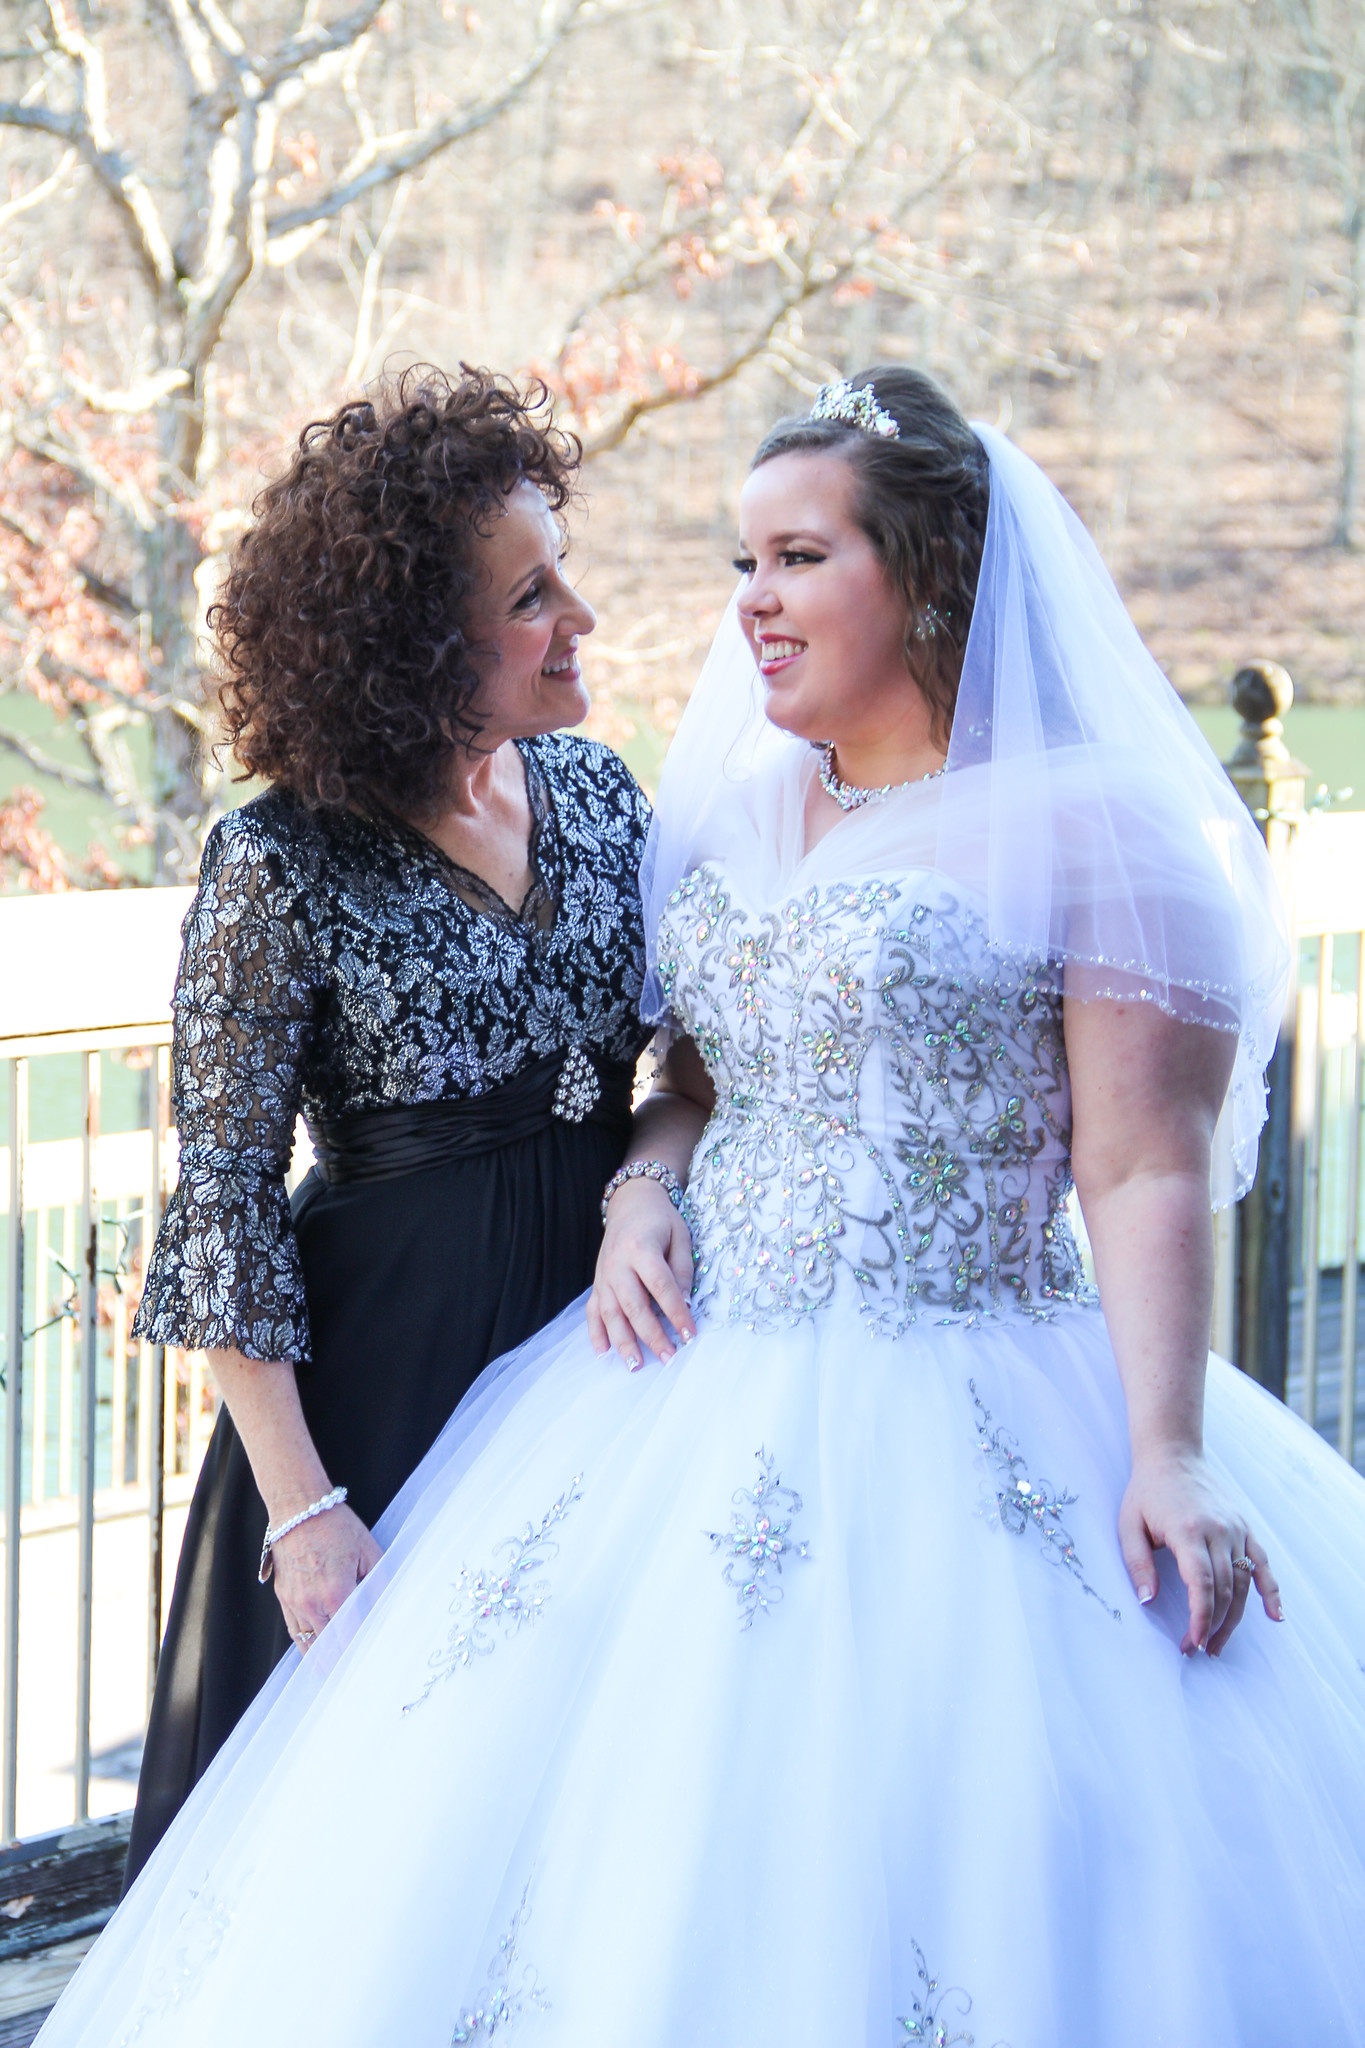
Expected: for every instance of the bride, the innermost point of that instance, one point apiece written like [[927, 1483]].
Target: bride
[[875, 1663]]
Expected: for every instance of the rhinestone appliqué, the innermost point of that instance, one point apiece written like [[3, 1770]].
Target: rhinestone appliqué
[[759, 1539], [927, 2021], [198, 1936], [502, 1598], [1021, 1503], [513, 1990], [578, 1090], [893, 1107]]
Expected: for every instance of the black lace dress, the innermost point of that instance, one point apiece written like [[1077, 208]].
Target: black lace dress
[[465, 1073]]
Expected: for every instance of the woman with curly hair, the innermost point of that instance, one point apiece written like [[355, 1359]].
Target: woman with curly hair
[[427, 937]]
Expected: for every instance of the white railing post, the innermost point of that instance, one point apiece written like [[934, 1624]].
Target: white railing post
[[14, 1442], [1315, 1091], [89, 1270], [1271, 783]]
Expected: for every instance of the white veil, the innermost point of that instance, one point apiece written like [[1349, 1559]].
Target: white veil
[[1082, 809]]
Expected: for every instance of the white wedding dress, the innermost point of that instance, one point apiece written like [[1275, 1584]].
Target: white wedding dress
[[794, 1694]]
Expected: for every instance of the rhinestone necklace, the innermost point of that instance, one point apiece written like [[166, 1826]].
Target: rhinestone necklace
[[849, 797]]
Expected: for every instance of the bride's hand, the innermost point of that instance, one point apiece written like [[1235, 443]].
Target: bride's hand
[[317, 1568], [1173, 1503], [644, 1267]]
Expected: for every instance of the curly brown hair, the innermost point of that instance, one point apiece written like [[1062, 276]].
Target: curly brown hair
[[922, 500], [346, 670]]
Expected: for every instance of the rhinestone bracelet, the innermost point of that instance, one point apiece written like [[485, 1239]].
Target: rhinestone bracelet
[[272, 1536], [646, 1169]]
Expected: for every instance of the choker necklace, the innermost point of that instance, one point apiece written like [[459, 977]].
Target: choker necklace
[[850, 798]]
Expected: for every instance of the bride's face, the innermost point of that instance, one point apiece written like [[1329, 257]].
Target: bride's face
[[824, 624]]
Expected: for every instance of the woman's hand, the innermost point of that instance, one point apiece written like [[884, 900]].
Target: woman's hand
[[1172, 1503], [643, 1268], [318, 1566]]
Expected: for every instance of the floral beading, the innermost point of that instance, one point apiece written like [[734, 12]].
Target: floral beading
[[893, 1109], [1021, 1503], [198, 1936], [927, 2022], [757, 1541], [508, 1599], [510, 1995]]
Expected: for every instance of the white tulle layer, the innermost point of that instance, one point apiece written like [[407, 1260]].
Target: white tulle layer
[[938, 1751]]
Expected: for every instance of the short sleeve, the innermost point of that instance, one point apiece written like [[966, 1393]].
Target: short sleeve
[[225, 1269]]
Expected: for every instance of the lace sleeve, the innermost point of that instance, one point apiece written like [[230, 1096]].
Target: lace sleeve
[[225, 1269]]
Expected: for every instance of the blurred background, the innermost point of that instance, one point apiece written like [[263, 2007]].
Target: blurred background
[[1134, 235]]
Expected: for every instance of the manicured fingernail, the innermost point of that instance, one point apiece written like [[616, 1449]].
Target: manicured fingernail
[[1146, 1594]]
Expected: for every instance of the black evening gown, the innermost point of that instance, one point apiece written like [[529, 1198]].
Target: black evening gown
[[465, 1074]]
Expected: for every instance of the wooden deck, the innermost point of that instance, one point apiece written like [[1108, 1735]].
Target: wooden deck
[[56, 1892]]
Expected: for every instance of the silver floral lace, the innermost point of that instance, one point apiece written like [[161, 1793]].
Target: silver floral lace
[[513, 1990], [893, 1112], [501, 1597], [334, 963], [1021, 1503], [757, 1541]]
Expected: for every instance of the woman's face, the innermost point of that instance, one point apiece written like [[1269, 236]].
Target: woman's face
[[825, 625], [525, 623]]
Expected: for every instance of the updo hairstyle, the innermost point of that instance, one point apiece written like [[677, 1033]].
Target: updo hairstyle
[[345, 663], [922, 500]]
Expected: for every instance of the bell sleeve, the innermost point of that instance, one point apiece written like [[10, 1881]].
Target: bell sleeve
[[225, 1268]]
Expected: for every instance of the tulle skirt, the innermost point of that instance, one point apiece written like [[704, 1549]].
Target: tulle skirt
[[791, 1693]]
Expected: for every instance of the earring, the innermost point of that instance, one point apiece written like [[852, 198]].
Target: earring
[[929, 621]]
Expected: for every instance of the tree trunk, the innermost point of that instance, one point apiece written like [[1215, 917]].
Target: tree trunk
[[1344, 534], [171, 557]]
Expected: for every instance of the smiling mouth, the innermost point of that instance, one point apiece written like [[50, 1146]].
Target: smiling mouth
[[774, 654], [567, 665]]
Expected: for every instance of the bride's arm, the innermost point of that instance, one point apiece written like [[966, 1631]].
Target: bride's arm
[[645, 1264], [1146, 1092]]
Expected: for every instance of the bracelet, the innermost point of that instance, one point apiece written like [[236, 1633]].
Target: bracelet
[[272, 1536], [647, 1169]]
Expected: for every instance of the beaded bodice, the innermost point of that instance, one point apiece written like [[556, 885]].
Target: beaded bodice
[[893, 1114]]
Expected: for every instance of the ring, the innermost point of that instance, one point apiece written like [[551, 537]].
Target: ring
[[305, 1635], [1242, 1564]]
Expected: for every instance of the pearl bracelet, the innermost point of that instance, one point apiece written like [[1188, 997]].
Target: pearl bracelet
[[647, 1169], [272, 1536]]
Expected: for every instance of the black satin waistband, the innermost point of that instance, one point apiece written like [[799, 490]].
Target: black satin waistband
[[379, 1144]]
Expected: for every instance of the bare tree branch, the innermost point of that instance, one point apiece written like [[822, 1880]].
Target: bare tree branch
[[46, 443], [39, 192], [191, 48], [374, 165], [43, 763], [615, 431], [87, 131]]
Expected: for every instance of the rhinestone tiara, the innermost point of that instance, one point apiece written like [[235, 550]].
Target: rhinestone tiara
[[858, 405]]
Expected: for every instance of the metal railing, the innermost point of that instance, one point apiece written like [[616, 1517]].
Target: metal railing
[[1288, 1294], [1330, 1060], [98, 1427]]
